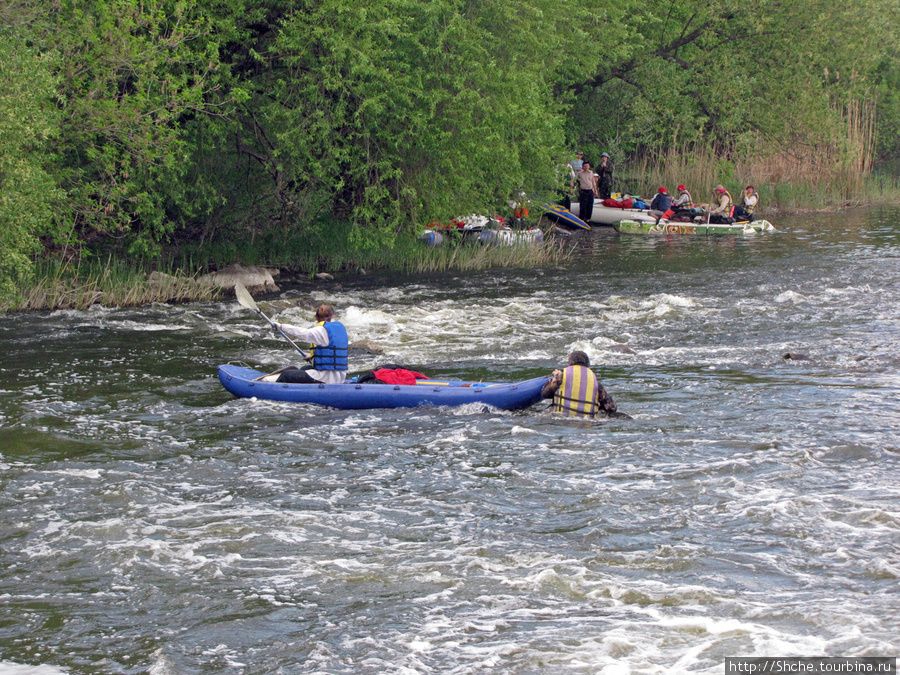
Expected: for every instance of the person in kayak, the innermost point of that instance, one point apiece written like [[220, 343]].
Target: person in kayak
[[577, 391], [683, 205], [329, 356]]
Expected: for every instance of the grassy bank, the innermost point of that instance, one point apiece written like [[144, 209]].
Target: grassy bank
[[178, 277], [112, 283]]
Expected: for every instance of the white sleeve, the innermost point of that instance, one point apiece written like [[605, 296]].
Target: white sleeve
[[317, 335]]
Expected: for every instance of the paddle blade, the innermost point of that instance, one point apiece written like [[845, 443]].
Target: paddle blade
[[244, 297]]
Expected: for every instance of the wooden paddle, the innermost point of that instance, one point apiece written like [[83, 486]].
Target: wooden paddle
[[246, 300]]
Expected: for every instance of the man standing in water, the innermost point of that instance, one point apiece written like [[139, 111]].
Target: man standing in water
[[585, 178], [577, 391], [329, 357]]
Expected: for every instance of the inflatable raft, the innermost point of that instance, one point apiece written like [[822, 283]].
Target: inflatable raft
[[628, 226]]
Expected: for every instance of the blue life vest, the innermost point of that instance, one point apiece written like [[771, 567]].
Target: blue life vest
[[334, 355]]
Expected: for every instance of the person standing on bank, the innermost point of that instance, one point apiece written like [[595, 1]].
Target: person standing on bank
[[577, 391], [329, 356], [575, 165], [604, 177], [588, 182]]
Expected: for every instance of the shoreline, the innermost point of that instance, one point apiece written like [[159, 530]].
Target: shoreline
[[117, 285], [133, 287]]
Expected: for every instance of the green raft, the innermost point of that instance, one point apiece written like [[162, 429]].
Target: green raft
[[636, 227]]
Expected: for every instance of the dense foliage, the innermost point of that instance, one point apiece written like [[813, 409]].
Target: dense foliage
[[751, 78], [136, 124], [28, 123]]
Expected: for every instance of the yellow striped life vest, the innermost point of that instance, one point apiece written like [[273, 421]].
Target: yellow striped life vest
[[577, 395]]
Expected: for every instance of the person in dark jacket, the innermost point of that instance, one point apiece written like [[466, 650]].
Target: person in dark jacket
[[661, 206], [604, 177]]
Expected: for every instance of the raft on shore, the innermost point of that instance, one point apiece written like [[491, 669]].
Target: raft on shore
[[480, 229]]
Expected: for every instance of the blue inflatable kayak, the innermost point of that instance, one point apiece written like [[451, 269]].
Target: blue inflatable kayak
[[245, 383]]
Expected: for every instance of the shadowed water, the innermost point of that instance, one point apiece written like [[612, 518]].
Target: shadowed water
[[150, 523]]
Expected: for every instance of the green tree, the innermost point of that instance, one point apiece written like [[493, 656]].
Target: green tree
[[730, 72], [132, 74], [28, 124], [398, 112]]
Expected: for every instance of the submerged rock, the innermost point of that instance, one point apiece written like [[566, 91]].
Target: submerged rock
[[365, 346]]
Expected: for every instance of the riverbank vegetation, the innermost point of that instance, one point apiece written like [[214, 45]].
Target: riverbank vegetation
[[162, 130], [57, 285], [78, 284]]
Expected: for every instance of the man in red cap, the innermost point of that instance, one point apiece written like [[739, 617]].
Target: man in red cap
[[661, 205], [683, 204]]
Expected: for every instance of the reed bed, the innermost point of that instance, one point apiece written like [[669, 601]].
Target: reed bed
[[796, 173], [58, 286], [473, 257]]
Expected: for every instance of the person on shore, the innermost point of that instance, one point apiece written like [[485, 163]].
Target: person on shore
[[661, 205], [604, 177], [575, 165], [577, 391], [744, 211], [588, 183], [329, 356]]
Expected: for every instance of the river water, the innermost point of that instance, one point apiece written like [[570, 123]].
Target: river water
[[151, 523]]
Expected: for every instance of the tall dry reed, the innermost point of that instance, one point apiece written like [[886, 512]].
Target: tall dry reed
[[471, 257], [806, 170], [111, 286]]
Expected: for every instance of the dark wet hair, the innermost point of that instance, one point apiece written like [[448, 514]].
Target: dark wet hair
[[579, 358], [324, 312]]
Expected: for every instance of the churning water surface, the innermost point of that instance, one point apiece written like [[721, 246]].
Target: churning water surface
[[150, 523]]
